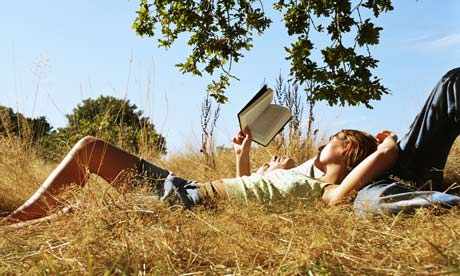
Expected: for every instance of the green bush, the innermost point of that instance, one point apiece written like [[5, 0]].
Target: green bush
[[114, 120]]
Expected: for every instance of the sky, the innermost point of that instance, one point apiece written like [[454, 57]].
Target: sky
[[54, 54]]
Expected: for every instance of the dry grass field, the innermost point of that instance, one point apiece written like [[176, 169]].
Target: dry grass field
[[109, 233]]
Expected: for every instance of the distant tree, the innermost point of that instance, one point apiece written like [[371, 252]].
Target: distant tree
[[111, 119], [15, 124], [114, 120], [54, 145], [220, 32]]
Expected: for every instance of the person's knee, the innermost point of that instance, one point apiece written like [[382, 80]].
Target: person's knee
[[453, 73], [87, 148], [85, 142]]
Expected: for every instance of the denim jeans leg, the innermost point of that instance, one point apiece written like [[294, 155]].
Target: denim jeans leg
[[425, 147], [390, 197], [423, 154]]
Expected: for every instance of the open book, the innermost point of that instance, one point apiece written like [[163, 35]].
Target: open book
[[263, 118]]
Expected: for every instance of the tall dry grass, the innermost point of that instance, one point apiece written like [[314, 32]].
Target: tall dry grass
[[131, 234]]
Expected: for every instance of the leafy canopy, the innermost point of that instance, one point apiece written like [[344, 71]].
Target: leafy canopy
[[220, 32]]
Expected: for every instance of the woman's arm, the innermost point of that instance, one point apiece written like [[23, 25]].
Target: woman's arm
[[375, 165], [242, 146]]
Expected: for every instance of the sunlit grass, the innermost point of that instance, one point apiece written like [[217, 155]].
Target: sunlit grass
[[131, 233]]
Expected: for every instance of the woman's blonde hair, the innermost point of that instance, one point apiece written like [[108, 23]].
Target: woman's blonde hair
[[363, 144]]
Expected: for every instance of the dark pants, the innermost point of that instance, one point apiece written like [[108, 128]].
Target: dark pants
[[422, 156], [168, 187]]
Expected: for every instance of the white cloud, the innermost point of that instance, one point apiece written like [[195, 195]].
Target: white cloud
[[425, 36], [451, 40]]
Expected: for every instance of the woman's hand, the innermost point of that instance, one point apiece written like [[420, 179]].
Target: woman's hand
[[242, 142], [387, 141], [277, 162], [381, 136], [242, 146]]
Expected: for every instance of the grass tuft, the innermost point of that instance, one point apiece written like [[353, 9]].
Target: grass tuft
[[109, 233]]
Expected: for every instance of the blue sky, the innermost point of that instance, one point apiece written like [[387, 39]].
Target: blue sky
[[54, 54]]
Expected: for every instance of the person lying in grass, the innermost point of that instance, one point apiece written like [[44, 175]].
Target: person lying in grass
[[351, 160], [271, 182]]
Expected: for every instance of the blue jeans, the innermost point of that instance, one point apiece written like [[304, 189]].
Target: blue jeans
[[423, 153]]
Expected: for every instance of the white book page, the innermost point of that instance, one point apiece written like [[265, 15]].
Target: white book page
[[254, 111], [269, 123]]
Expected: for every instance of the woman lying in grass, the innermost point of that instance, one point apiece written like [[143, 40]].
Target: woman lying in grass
[[347, 163], [271, 182]]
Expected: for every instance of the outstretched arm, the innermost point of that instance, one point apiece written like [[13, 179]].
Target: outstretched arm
[[88, 155], [375, 165], [242, 146]]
